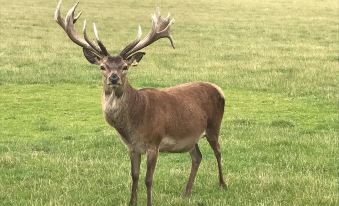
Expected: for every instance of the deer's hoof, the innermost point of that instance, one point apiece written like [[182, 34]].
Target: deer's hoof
[[223, 185], [186, 194]]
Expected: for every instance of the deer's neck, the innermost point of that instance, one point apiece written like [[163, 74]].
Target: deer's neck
[[118, 106], [118, 101]]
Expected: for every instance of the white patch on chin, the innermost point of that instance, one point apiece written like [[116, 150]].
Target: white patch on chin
[[114, 86], [111, 103]]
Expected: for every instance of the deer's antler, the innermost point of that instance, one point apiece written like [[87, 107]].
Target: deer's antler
[[160, 29], [68, 23]]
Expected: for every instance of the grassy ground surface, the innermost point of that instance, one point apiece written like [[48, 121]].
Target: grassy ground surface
[[276, 61]]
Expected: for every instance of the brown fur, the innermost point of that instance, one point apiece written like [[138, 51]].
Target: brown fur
[[182, 113], [167, 120], [151, 120]]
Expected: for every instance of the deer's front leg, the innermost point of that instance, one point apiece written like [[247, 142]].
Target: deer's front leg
[[135, 168], [152, 155]]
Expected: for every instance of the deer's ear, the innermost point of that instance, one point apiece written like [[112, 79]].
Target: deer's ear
[[135, 58], [91, 58]]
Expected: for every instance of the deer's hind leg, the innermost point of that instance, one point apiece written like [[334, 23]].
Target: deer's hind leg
[[212, 136], [196, 159]]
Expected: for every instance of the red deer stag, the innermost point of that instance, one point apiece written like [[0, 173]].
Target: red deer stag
[[150, 121]]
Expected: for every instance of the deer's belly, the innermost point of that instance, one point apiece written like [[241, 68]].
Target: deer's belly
[[170, 144]]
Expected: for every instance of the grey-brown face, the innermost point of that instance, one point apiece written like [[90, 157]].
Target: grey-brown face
[[114, 70]]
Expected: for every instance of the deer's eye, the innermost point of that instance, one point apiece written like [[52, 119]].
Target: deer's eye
[[102, 67], [125, 67]]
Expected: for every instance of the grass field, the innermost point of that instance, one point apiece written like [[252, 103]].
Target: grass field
[[276, 61]]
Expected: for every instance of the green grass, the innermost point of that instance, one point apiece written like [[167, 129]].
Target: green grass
[[276, 61]]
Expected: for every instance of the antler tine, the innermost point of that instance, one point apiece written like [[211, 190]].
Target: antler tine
[[101, 45], [77, 17], [160, 29], [84, 30], [57, 16], [68, 24], [132, 44], [70, 29]]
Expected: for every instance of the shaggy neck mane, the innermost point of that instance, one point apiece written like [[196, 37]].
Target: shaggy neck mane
[[119, 107]]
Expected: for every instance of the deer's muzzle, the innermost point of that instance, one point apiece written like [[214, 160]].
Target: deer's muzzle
[[114, 79]]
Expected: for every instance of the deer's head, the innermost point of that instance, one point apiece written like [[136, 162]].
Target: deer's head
[[114, 68]]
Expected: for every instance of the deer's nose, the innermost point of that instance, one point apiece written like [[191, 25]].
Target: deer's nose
[[114, 78]]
